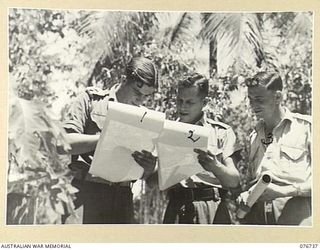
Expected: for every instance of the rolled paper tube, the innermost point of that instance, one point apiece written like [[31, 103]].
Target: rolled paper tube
[[254, 195]]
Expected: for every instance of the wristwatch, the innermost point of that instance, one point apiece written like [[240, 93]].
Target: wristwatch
[[298, 189]]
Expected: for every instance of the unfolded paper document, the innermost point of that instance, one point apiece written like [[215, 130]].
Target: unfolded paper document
[[177, 160], [127, 129]]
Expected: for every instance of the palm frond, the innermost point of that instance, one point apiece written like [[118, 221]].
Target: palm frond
[[279, 48], [302, 25], [272, 40], [238, 38], [113, 36], [175, 26], [211, 22], [107, 30], [182, 28]]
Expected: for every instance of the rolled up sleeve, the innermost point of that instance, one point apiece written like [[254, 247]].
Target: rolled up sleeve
[[231, 144], [78, 114]]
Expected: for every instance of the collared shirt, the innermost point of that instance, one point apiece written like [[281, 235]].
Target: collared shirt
[[87, 115], [88, 112], [288, 160], [288, 157], [222, 141]]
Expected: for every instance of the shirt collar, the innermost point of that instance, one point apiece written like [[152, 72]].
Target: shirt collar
[[201, 121], [287, 116]]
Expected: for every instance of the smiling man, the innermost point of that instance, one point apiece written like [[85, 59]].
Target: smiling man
[[280, 145], [100, 201], [198, 200]]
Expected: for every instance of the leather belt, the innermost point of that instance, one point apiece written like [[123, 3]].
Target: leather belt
[[193, 194], [80, 172], [91, 178]]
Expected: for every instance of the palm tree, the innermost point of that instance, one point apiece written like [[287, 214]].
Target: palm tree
[[236, 37], [252, 39], [114, 36]]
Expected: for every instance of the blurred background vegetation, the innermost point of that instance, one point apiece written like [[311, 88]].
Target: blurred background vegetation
[[54, 54]]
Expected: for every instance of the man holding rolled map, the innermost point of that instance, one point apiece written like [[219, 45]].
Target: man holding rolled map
[[280, 149], [200, 198], [103, 201]]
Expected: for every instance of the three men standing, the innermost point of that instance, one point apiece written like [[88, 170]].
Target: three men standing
[[280, 145]]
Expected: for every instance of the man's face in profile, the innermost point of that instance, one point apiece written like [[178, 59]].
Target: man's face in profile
[[138, 92]]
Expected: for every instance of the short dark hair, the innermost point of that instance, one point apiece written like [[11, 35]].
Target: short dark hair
[[142, 69], [271, 80], [196, 80]]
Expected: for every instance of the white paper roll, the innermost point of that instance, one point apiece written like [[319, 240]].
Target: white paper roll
[[254, 195]]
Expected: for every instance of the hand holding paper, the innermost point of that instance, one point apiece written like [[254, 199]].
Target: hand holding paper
[[175, 147], [206, 159], [128, 137], [127, 129], [247, 199], [146, 160]]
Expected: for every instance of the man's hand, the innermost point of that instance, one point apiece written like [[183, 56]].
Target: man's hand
[[242, 205], [243, 197], [272, 192], [146, 160], [207, 160]]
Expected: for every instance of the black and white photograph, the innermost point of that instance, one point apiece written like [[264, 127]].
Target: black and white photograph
[[159, 117]]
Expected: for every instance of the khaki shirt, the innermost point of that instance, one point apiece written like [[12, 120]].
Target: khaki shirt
[[288, 160], [222, 141], [87, 115], [288, 157]]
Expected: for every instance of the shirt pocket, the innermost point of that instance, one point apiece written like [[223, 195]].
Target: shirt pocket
[[98, 112], [293, 162], [291, 153]]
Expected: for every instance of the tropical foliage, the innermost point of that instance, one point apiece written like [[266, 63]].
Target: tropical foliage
[[55, 54]]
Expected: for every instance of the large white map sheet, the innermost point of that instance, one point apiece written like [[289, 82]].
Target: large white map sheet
[[127, 129]]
